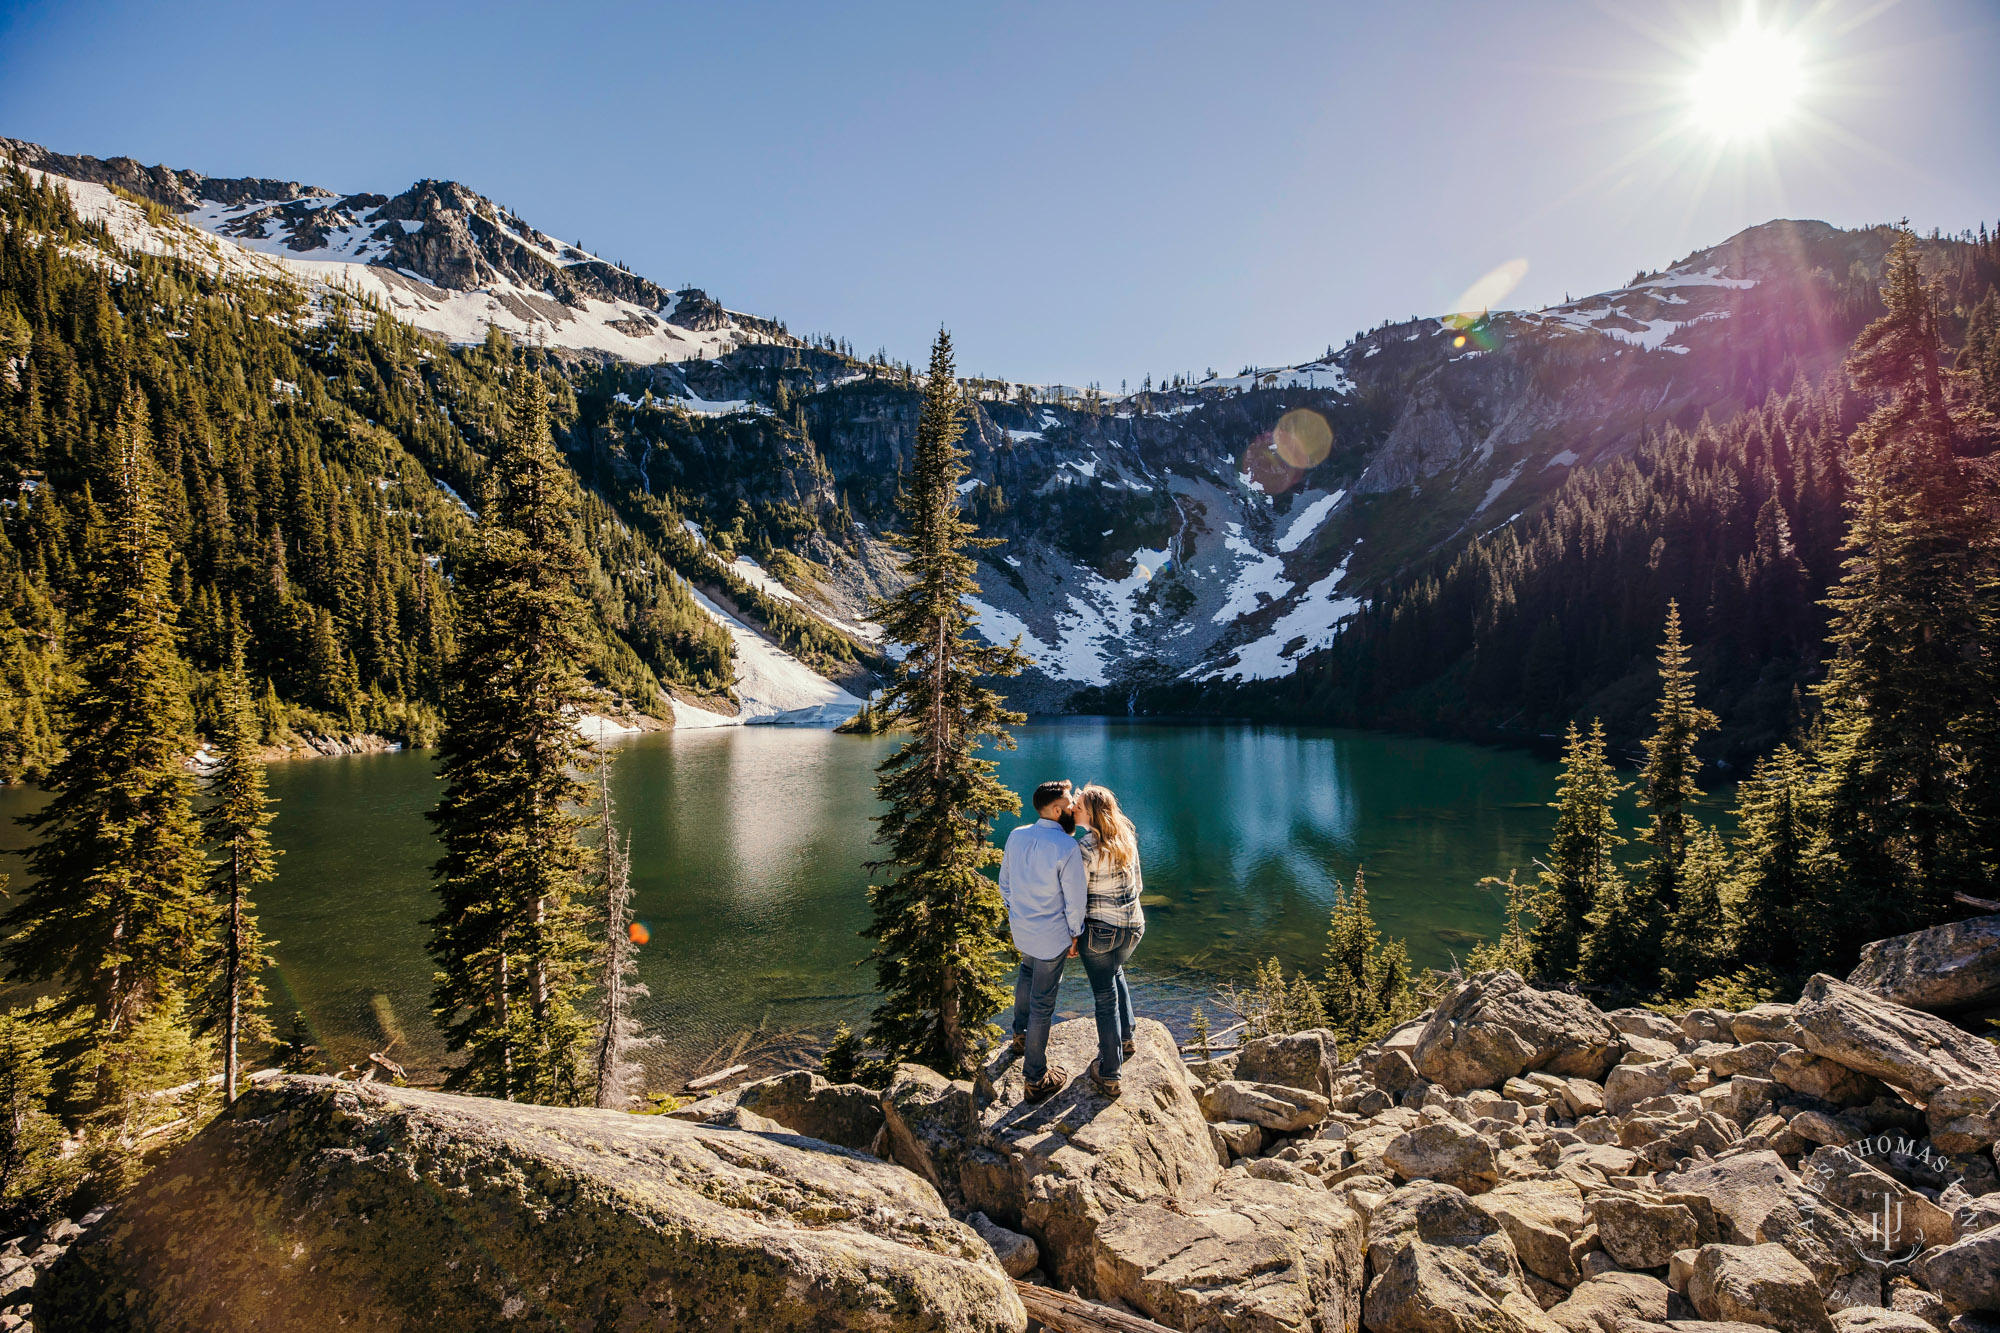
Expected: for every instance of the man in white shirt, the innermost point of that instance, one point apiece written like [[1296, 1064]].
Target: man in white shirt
[[1042, 881]]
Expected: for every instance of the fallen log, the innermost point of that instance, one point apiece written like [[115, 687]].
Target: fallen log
[[710, 1080], [1064, 1313], [1983, 904]]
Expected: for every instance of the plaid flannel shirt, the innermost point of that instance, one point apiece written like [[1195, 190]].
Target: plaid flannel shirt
[[1114, 893]]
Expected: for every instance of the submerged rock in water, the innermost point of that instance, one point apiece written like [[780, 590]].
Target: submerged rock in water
[[316, 1204]]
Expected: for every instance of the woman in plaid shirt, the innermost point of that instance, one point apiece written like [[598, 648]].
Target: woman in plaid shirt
[[1113, 922]]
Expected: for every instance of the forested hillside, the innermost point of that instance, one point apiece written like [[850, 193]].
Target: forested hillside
[[1555, 616], [314, 458]]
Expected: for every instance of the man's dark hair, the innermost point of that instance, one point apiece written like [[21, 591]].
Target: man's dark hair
[[1051, 792]]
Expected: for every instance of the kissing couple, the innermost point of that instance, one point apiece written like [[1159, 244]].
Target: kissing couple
[[1071, 884]]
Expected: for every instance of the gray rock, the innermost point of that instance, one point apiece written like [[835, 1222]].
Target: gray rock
[[1017, 1253], [1904, 1047], [1823, 1079], [1765, 1022], [1965, 1275], [1646, 1023], [1627, 1085], [844, 1114], [1943, 969], [1743, 1188], [1251, 1254], [1390, 1069], [1757, 1284], [315, 1203], [932, 1126], [1639, 1233], [1753, 1057], [1495, 1026], [1964, 1118], [1841, 1177], [1292, 1060], [1708, 1025], [1610, 1302], [1906, 1297], [1444, 1151], [1543, 1218], [1286, 1110], [1440, 1265], [1237, 1138], [1056, 1169]]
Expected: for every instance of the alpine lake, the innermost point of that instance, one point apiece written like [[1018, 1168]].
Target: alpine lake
[[749, 846]]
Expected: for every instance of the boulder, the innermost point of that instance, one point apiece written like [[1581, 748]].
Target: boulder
[[1543, 1218], [1757, 1284], [1440, 1265], [1904, 1047], [1646, 1023], [1056, 1169], [1627, 1085], [1583, 1097], [1018, 1254], [1608, 1302], [932, 1125], [1389, 1069], [1639, 1233], [313, 1203], [1444, 1151], [1284, 1109], [1708, 1025], [1964, 1118], [1965, 1275], [1752, 1057], [1236, 1138], [1291, 1060], [1943, 969], [1765, 1022], [1494, 1026], [1823, 1079], [1837, 1175], [846, 1114], [1251, 1254], [1906, 1297], [1743, 1188]]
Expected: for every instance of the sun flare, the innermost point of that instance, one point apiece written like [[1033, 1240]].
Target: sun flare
[[1748, 84]]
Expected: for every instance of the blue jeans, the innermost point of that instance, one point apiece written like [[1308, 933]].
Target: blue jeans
[[1035, 987], [1104, 950]]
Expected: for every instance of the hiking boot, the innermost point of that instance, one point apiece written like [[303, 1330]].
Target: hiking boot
[[1019, 1044], [1131, 1048], [1047, 1085], [1107, 1086]]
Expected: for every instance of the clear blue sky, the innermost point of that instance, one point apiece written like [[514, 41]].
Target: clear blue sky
[[1078, 191]]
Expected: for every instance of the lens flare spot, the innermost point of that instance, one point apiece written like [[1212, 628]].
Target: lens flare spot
[[639, 933], [1459, 341], [1748, 83], [1483, 295], [1303, 438]]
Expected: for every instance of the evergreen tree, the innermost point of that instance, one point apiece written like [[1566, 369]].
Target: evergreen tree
[[34, 1175], [938, 923], [1697, 943], [1579, 862], [1901, 749], [510, 938], [1366, 984], [115, 908], [1776, 894], [1667, 787], [618, 1034], [233, 999]]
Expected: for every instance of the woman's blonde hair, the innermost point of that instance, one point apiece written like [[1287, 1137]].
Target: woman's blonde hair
[[1115, 837]]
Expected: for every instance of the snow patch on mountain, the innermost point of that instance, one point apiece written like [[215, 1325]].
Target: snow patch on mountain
[[772, 686]]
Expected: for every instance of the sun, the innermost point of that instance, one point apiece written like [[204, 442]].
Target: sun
[[1748, 84]]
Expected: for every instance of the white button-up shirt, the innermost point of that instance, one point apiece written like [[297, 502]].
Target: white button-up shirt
[[1045, 889]]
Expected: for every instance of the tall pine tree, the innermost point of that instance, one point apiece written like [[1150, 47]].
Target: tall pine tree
[[115, 907], [1777, 892], [1904, 763], [1681, 923], [938, 923], [618, 1033], [237, 953], [510, 937], [1579, 862], [1366, 987]]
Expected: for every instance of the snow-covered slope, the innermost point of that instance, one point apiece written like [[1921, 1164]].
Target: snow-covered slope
[[449, 261], [773, 686]]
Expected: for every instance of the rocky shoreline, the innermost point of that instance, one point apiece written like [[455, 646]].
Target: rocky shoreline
[[1515, 1160]]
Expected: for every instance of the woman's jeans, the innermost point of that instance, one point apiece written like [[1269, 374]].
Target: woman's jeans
[[1104, 949]]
